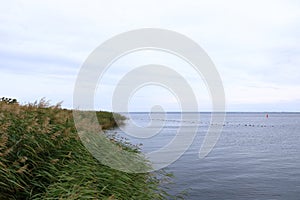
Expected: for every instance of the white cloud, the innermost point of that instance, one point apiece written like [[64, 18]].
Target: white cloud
[[254, 44]]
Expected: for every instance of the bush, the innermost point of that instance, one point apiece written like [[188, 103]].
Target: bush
[[8, 100]]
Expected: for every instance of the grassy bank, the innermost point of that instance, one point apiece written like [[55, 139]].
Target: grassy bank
[[42, 157]]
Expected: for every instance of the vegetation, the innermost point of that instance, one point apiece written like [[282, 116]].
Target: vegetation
[[42, 157]]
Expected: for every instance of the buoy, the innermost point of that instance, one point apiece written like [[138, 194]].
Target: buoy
[[267, 116]]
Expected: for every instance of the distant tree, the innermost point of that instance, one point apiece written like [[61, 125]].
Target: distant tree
[[8, 100]]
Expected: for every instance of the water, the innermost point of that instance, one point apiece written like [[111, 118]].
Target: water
[[255, 158]]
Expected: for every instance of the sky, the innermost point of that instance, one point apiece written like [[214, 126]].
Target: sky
[[255, 46]]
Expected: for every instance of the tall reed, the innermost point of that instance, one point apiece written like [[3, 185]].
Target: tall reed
[[42, 157]]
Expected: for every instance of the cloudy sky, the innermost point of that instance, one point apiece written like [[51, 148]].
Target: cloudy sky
[[255, 46]]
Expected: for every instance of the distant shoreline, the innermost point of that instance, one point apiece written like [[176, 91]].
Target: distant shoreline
[[231, 112]]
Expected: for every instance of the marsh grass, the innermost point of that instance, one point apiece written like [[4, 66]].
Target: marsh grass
[[42, 157]]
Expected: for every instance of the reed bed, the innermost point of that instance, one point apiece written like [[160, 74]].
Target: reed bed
[[42, 157]]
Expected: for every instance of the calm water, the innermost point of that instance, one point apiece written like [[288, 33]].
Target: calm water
[[255, 158]]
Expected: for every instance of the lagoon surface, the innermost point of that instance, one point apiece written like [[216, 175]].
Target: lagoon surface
[[255, 157]]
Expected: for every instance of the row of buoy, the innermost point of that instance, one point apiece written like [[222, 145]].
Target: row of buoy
[[210, 124], [245, 125]]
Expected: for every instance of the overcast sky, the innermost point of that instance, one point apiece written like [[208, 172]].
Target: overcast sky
[[255, 46]]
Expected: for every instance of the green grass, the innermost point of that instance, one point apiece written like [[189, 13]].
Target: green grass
[[42, 157]]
